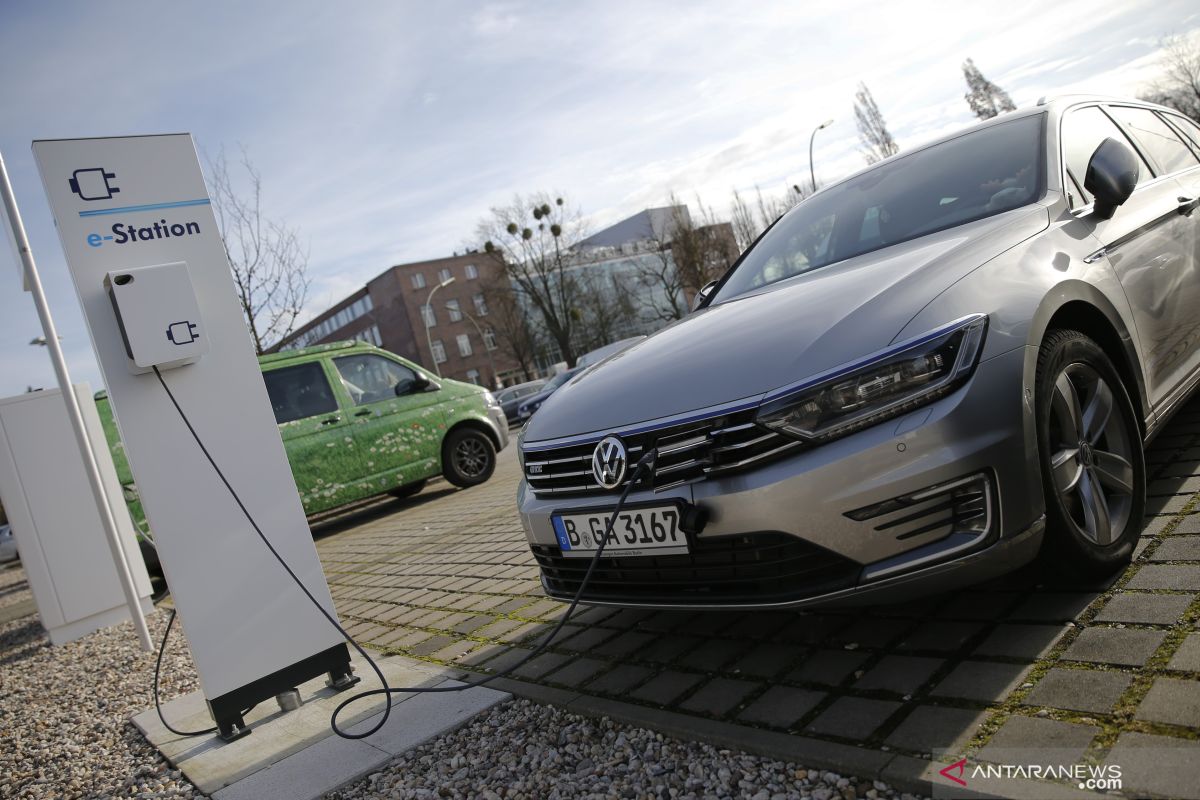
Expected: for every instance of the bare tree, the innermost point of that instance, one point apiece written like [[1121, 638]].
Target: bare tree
[[270, 266], [534, 236], [662, 293], [604, 308], [515, 334], [985, 98], [877, 141], [1179, 86], [750, 221]]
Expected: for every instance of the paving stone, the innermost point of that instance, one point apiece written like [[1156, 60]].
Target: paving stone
[[1139, 607], [767, 661], [501, 658], [541, 665], [760, 626], [1176, 485], [984, 681], [1156, 765], [1053, 606], [666, 621], [665, 687], [930, 728], [587, 640], [667, 648], [627, 643], [979, 605], [812, 628], [628, 618], [620, 679], [1187, 657], [1178, 548], [1079, 690], [456, 651], [781, 706], [472, 624], [1025, 740], [853, 717], [592, 615], [719, 696], [710, 623], [1114, 646], [828, 667], [871, 632], [1028, 642], [1169, 504], [899, 674], [1174, 701], [578, 672], [1189, 524], [431, 645], [713, 655], [940, 637]]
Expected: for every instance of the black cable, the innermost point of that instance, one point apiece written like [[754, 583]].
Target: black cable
[[645, 463], [162, 648]]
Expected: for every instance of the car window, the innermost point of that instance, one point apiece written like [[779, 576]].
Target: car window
[[1082, 132], [1162, 144], [371, 378], [298, 392], [976, 175], [1190, 130]]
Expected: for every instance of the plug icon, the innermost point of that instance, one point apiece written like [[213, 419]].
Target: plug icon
[[182, 332], [93, 183]]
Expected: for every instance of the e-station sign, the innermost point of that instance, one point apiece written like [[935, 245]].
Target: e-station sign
[[150, 270]]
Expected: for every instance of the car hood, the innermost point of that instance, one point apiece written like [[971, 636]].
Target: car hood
[[749, 345]]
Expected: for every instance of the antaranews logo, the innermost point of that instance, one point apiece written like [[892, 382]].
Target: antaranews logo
[[121, 233], [1089, 777]]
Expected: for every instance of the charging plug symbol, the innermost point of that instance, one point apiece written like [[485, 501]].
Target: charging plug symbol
[[182, 332], [93, 183]]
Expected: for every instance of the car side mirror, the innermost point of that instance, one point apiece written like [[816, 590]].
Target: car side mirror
[[1112, 175], [418, 384], [702, 296]]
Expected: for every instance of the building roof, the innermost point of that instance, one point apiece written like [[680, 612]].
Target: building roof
[[652, 223]]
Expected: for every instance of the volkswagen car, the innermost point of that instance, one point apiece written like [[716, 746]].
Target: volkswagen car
[[920, 377]]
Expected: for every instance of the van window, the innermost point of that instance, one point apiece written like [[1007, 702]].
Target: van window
[[298, 392], [371, 378]]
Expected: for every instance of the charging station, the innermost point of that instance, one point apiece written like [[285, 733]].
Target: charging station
[[151, 273]]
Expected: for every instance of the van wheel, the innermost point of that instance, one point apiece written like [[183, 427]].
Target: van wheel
[[408, 489], [468, 457], [1090, 450]]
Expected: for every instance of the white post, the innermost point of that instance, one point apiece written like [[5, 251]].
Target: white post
[[429, 336], [34, 285]]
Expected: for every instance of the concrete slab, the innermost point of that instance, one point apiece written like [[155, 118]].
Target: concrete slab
[[295, 754]]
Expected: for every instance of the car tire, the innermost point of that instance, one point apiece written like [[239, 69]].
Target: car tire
[[408, 489], [1090, 453], [468, 457]]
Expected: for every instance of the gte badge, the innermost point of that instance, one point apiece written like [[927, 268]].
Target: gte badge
[[93, 183], [158, 315]]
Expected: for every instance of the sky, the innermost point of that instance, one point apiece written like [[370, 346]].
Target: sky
[[384, 131]]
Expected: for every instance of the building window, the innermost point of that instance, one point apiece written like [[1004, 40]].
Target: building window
[[370, 335], [472, 273], [489, 339], [439, 351], [443, 275], [473, 376], [464, 345], [418, 280], [455, 312], [480, 305], [428, 315]]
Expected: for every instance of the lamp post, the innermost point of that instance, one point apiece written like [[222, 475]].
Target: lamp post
[[812, 173], [486, 349], [428, 335]]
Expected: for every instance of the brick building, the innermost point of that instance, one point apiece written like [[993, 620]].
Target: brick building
[[390, 312]]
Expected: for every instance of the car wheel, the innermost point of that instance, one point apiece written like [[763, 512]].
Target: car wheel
[[408, 489], [468, 457], [1089, 446]]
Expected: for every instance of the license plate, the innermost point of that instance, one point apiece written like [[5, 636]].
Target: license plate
[[637, 532]]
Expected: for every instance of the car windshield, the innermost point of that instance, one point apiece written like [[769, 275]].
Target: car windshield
[[967, 178]]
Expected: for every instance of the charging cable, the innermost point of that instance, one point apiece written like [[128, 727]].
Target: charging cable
[[645, 465]]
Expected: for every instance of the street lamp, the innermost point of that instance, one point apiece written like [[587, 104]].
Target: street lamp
[[486, 349], [812, 173], [428, 335]]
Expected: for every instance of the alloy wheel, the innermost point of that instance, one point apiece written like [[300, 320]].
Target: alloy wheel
[[1091, 454], [471, 457]]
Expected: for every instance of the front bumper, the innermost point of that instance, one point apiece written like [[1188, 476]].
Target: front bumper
[[983, 429], [500, 425]]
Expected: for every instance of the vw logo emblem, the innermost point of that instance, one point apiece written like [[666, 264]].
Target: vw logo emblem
[[609, 462]]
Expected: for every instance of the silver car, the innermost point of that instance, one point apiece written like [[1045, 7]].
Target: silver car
[[918, 378]]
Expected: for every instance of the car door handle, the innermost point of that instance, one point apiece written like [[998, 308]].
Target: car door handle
[[1187, 205], [331, 420], [366, 412]]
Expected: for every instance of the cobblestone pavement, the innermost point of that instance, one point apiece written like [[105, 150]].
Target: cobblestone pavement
[[1100, 673]]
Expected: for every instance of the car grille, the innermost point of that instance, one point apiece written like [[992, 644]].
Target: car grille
[[767, 567], [687, 452]]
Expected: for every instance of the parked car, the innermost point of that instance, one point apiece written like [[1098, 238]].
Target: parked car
[[916, 379], [8, 545], [359, 421], [510, 398], [532, 404]]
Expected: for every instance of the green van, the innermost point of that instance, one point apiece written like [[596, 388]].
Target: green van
[[359, 421]]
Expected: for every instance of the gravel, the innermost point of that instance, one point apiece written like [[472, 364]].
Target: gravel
[[65, 733], [524, 750]]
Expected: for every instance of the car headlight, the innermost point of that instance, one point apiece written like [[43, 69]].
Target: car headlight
[[490, 399], [885, 385]]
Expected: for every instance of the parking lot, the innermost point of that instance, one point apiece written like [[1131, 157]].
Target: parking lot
[[1099, 673]]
